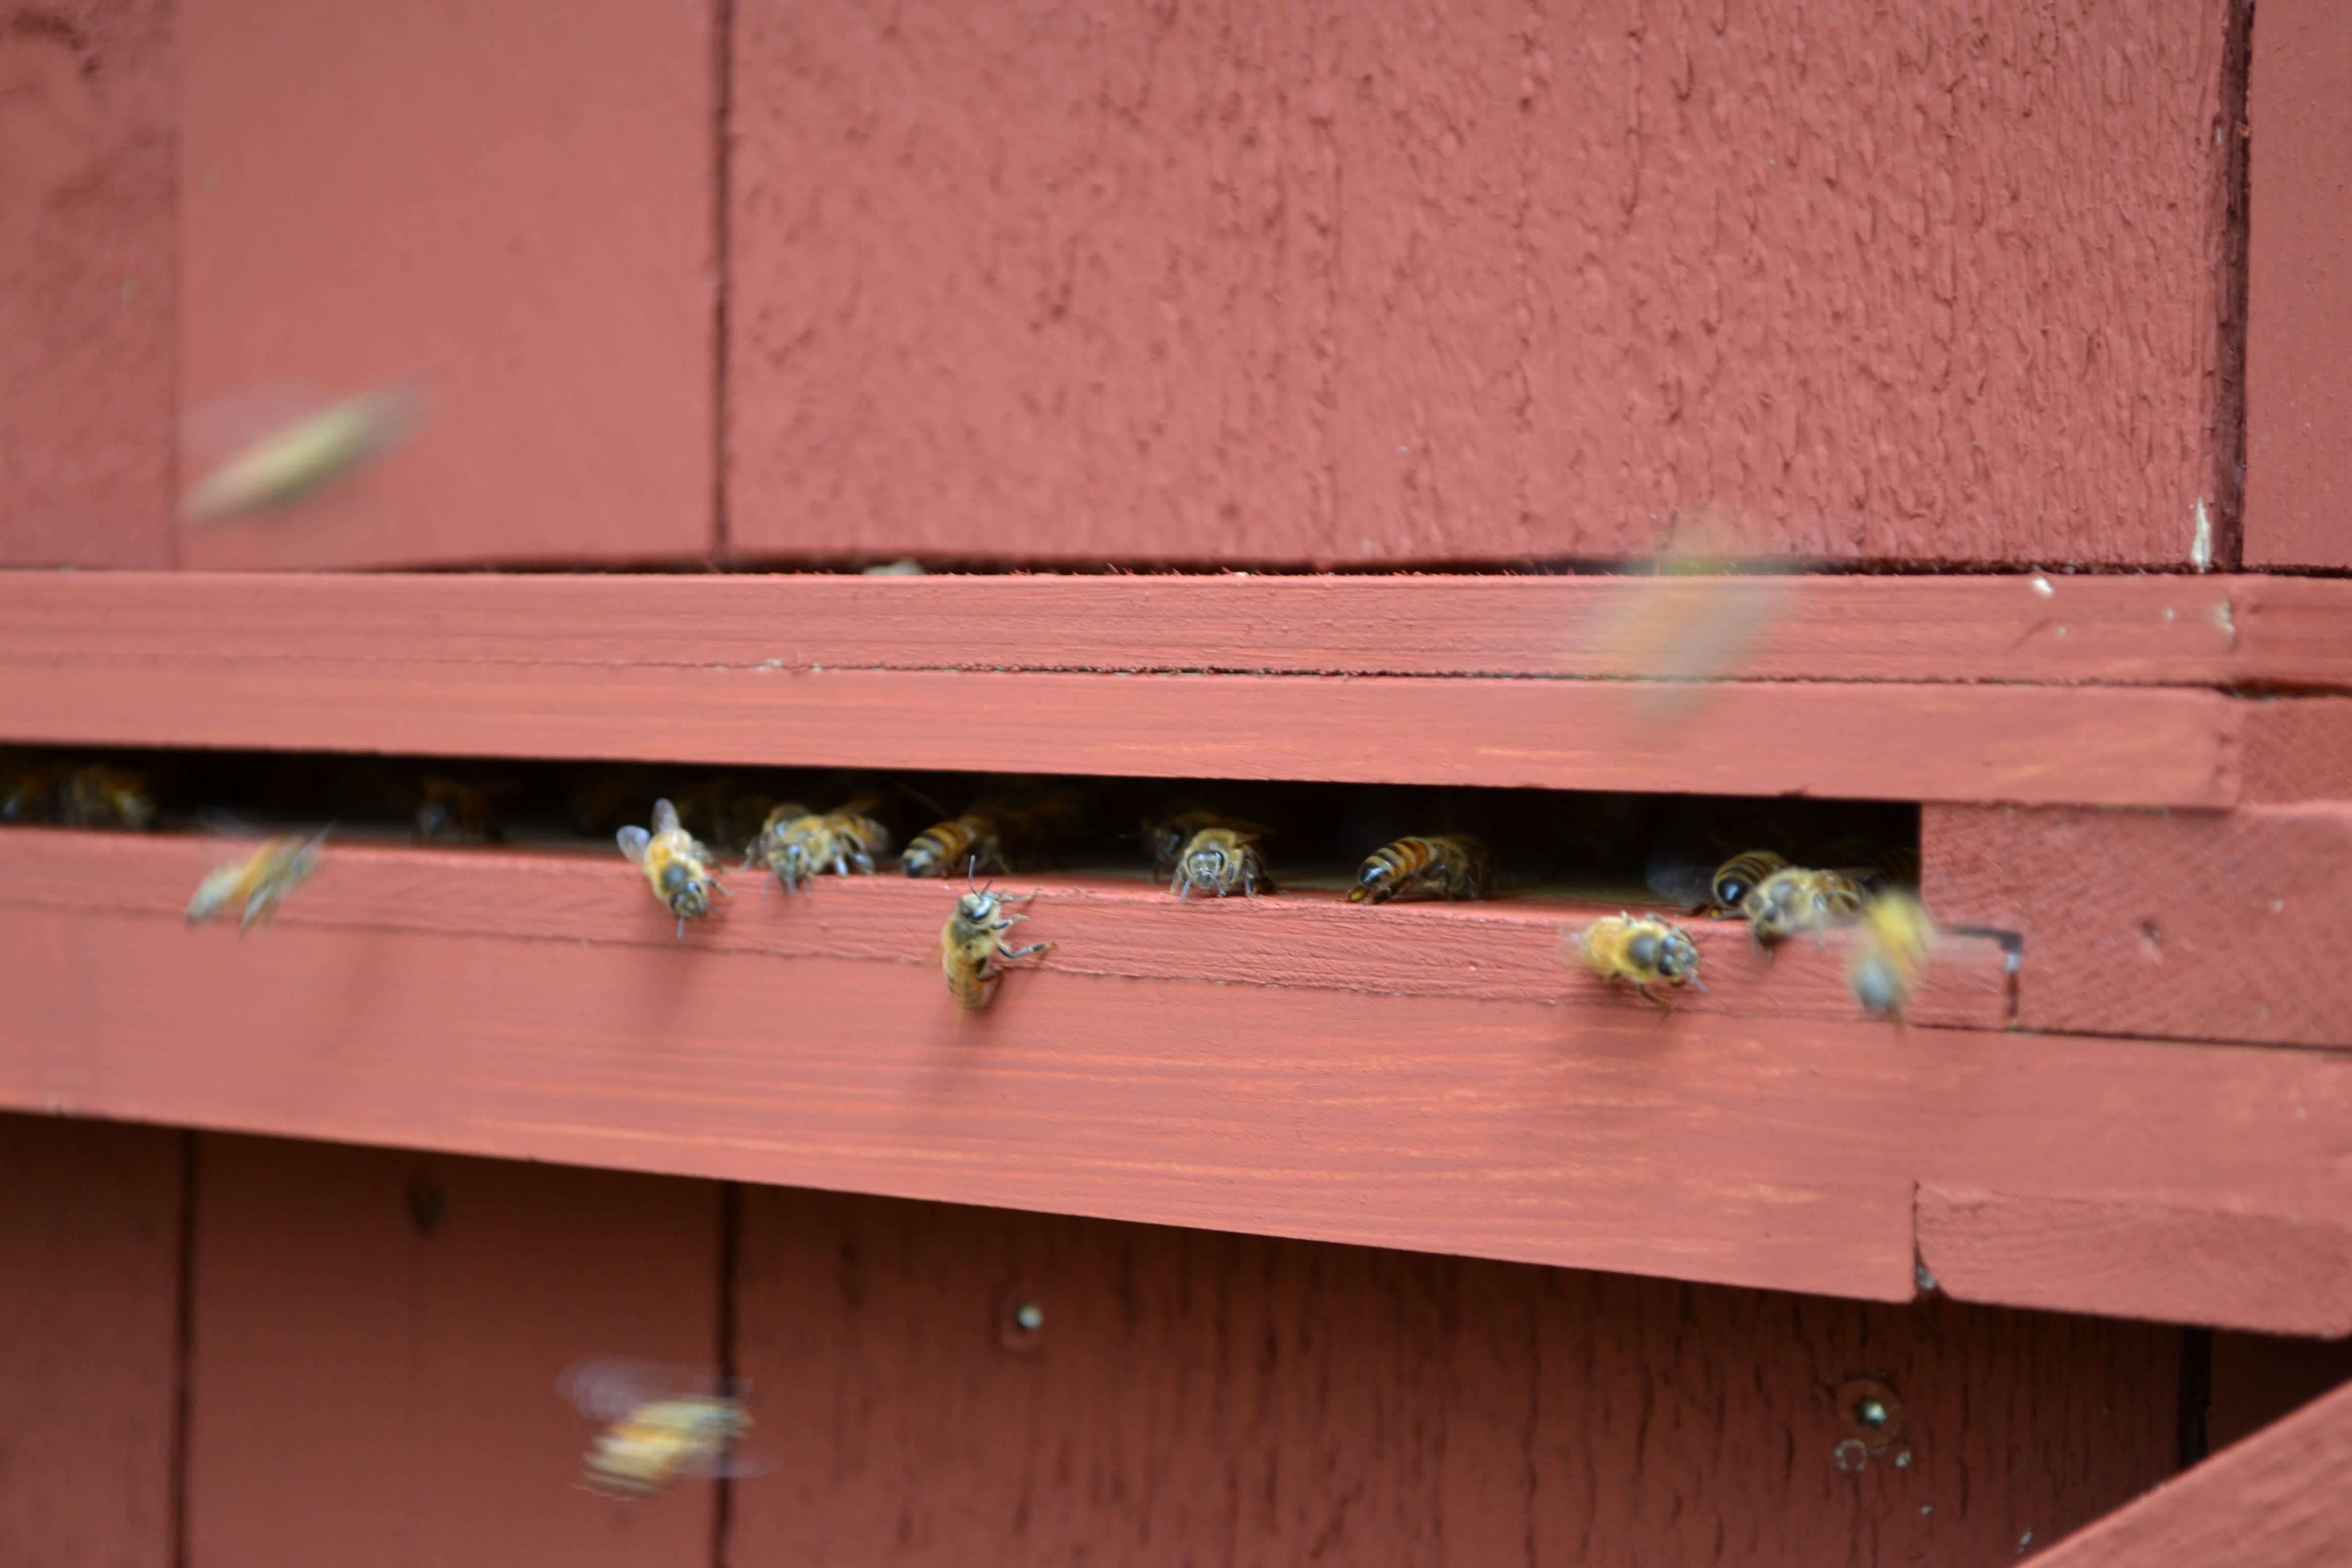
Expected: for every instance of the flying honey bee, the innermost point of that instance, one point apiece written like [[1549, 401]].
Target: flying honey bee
[[1447, 866], [262, 879], [1737, 877], [1220, 861], [969, 844], [661, 1424], [307, 455], [797, 845], [1642, 950], [1798, 899], [1890, 953], [676, 868], [99, 796], [972, 954]]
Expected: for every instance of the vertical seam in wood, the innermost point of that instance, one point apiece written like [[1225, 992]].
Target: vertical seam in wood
[[174, 309], [183, 1351], [731, 1228], [722, 23], [2230, 358]]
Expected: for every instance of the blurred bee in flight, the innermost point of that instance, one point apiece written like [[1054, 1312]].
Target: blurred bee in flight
[[306, 456], [1799, 899], [1891, 953], [797, 845], [1220, 861], [1643, 951], [676, 868], [1446, 866], [661, 1424], [972, 952], [261, 881], [969, 844]]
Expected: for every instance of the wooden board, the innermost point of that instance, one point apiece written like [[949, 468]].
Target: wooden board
[[88, 276], [2262, 1378], [1356, 285], [2191, 925], [508, 207], [2268, 632], [1774, 1152], [89, 1342], [2275, 1500], [1506, 949], [378, 1337], [2299, 325], [1192, 1398]]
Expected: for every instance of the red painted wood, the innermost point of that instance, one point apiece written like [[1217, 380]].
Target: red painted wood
[[2275, 1500], [1361, 284], [89, 1323], [1195, 1397], [2260, 1378], [2193, 925], [510, 206], [368, 1390], [88, 275], [2299, 289], [1508, 949], [2225, 631], [2298, 749], [2283, 1275], [1782, 1153]]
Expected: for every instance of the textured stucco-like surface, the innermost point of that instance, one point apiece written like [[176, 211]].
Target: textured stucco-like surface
[[1371, 284], [86, 283]]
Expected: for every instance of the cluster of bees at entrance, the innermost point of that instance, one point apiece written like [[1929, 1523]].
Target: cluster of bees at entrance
[[1202, 852]]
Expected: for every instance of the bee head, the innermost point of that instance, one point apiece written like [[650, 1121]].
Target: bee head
[[977, 906], [1678, 957]]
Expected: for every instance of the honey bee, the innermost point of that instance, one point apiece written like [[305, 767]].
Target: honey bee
[[973, 954], [1450, 865], [658, 1425], [797, 844], [1220, 860], [1890, 953], [28, 789], [676, 868], [1733, 880], [1644, 950], [969, 844], [262, 879], [1798, 899], [448, 811], [101, 796], [1879, 868], [1167, 838], [307, 455]]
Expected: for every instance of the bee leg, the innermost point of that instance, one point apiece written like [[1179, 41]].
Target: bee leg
[[1665, 1007], [681, 928]]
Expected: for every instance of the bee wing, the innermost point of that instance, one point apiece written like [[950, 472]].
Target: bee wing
[[632, 841], [607, 1388], [219, 886], [1674, 877], [665, 817]]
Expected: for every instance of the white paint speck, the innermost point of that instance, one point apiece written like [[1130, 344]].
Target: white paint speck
[[2227, 622], [2041, 585], [2168, 615], [2023, 1541], [2200, 542]]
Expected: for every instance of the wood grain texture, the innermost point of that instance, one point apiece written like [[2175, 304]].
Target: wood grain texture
[[2275, 1500], [2140, 1261], [2299, 289], [508, 206], [1505, 950], [2031, 629], [2298, 749], [370, 1388], [1780, 1153], [1352, 284], [2193, 925], [2260, 1378], [1196, 1397], [90, 1328], [88, 276], [2027, 744]]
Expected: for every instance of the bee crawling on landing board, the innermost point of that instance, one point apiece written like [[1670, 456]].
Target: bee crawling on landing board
[[1798, 899], [1641, 948], [969, 844], [1890, 953], [1220, 861], [1445, 865], [661, 1424], [973, 954], [676, 868], [1167, 836], [1733, 880], [261, 881], [797, 845]]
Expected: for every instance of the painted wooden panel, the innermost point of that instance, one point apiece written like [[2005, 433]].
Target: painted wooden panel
[[2029, 628], [1190, 1397], [377, 1340], [508, 207], [2299, 291], [2275, 1500], [1371, 284], [89, 1342], [1773, 1152], [88, 276], [2193, 925]]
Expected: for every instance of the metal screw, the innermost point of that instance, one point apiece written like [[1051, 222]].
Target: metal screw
[[1029, 1316]]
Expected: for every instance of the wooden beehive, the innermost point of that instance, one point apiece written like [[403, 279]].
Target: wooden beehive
[[1378, 354]]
